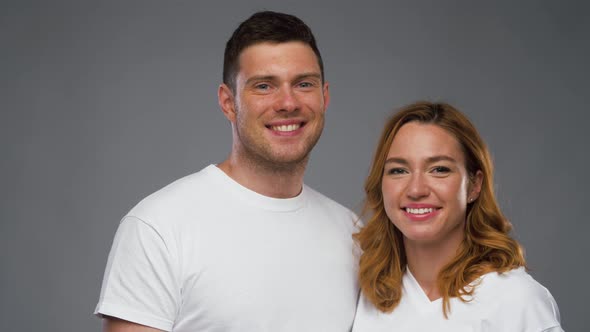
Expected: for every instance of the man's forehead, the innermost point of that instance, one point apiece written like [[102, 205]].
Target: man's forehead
[[268, 58]]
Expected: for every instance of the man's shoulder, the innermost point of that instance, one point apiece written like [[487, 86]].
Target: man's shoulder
[[320, 199], [191, 184], [186, 192], [332, 209]]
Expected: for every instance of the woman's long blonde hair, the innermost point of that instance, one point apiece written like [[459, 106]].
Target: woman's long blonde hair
[[487, 245]]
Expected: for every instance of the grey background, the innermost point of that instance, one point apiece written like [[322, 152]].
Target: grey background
[[103, 103]]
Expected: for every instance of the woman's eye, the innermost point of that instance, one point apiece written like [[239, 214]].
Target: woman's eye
[[441, 169], [396, 171]]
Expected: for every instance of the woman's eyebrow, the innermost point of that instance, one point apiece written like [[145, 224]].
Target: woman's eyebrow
[[435, 159], [429, 160], [396, 160]]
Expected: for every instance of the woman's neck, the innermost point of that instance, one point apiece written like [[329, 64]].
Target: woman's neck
[[426, 260]]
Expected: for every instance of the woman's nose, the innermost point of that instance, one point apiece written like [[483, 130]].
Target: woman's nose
[[418, 187]]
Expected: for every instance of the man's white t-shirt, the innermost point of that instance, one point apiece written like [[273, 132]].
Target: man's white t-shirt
[[508, 302], [207, 254]]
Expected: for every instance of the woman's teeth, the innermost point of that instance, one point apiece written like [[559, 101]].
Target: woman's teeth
[[419, 211]]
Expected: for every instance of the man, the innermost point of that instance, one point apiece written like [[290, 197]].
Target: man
[[244, 245]]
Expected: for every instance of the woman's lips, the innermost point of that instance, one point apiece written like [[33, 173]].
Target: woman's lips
[[420, 212]]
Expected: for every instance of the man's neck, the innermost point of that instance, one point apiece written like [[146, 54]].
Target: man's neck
[[267, 180]]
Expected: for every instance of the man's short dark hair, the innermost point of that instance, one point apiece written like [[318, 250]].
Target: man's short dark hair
[[265, 26]]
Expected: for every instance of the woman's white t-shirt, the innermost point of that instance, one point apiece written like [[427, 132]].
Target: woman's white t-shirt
[[512, 301]]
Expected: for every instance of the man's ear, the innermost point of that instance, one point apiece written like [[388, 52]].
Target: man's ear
[[226, 101], [326, 92]]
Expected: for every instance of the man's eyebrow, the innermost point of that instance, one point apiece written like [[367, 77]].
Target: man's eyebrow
[[429, 160], [299, 77], [308, 75], [260, 78]]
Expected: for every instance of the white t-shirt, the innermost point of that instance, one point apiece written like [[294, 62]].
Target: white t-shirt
[[206, 254], [510, 302]]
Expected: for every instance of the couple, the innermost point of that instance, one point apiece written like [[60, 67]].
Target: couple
[[245, 246]]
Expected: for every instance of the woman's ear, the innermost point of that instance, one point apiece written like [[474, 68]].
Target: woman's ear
[[475, 186]]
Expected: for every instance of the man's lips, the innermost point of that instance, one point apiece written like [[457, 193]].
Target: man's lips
[[286, 127]]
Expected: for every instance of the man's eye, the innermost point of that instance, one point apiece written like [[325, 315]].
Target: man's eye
[[262, 86], [305, 84]]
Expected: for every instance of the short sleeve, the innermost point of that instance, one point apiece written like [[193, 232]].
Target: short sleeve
[[527, 307], [140, 284], [541, 310], [554, 329]]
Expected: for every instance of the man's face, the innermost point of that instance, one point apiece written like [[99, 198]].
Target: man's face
[[279, 103]]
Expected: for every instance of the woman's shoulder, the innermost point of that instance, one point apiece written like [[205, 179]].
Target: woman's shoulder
[[516, 296], [516, 283]]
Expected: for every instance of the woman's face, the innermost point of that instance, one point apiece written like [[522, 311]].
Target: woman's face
[[426, 186]]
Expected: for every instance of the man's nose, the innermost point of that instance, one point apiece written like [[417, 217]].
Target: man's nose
[[287, 100]]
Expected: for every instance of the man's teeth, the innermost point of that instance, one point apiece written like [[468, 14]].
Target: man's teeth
[[290, 127], [419, 211]]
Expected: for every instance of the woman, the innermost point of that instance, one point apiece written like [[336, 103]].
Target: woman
[[436, 249]]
